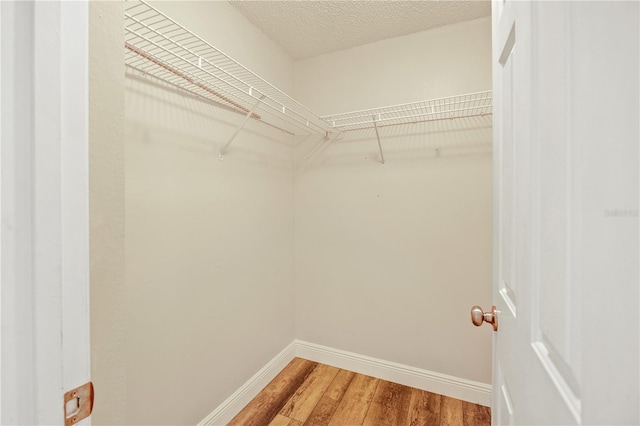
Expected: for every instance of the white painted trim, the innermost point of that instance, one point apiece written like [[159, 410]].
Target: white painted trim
[[443, 384], [240, 398], [16, 283], [1, 223], [44, 277], [74, 183]]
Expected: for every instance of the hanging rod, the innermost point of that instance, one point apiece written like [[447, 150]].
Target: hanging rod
[[198, 95], [157, 45], [188, 79]]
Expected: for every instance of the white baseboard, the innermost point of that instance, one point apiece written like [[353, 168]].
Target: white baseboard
[[455, 387], [443, 384], [240, 398]]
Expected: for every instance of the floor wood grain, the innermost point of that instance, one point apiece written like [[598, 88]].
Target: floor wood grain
[[322, 413], [339, 386], [475, 415], [304, 400], [280, 420], [450, 411], [355, 402], [390, 405], [312, 394], [266, 405], [425, 408]]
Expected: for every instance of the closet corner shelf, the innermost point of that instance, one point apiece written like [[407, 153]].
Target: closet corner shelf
[[461, 106], [157, 46]]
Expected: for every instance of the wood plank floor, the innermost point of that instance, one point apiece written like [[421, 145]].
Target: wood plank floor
[[309, 393]]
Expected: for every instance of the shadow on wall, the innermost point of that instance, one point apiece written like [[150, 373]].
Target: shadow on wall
[[407, 143], [161, 112], [164, 113]]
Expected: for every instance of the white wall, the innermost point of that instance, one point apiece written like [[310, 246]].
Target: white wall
[[209, 243], [445, 61], [389, 260]]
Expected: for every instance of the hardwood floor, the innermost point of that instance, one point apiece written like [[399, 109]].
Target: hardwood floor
[[309, 393]]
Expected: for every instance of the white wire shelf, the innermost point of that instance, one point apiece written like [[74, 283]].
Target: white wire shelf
[[469, 105], [157, 45]]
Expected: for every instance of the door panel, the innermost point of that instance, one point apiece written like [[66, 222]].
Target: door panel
[[555, 64], [505, 405], [533, 295], [508, 175], [556, 301]]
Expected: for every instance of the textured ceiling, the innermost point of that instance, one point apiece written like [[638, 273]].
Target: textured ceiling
[[309, 28]]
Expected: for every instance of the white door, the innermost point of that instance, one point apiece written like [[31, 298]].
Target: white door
[[44, 209], [566, 137]]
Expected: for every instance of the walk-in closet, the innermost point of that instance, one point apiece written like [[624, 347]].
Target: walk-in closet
[[306, 187], [320, 213], [328, 206]]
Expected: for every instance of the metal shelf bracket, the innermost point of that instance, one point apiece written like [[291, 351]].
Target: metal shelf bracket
[[375, 126], [244, 121]]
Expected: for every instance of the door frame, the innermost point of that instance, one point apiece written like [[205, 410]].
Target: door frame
[[44, 232]]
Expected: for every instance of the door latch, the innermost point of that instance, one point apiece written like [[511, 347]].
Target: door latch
[[78, 404]]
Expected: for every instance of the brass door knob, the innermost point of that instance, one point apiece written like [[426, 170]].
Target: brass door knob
[[478, 316]]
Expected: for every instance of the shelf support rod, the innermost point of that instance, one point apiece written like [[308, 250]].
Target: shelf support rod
[[375, 126], [244, 121]]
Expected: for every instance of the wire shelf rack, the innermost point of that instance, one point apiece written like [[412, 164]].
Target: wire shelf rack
[[157, 45], [469, 105]]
